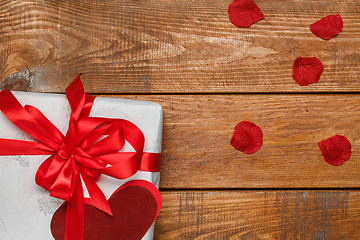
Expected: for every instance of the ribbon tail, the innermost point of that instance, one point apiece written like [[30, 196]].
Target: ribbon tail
[[41, 173], [97, 198], [75, 214]]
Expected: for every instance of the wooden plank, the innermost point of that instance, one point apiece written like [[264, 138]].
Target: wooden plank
[[198, 128], [166, 46], [259, 215]]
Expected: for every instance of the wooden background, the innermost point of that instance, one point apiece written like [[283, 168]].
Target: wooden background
[[209, 75]]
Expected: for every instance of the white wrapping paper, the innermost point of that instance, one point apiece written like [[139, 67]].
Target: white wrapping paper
[[26, 209]]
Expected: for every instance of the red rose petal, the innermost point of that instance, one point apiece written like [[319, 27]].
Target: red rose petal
[[327, 27], [247, 137], [243, 13], [335, 150], [307, 70]]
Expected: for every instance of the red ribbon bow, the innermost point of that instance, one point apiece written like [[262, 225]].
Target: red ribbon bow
[[78, 156]]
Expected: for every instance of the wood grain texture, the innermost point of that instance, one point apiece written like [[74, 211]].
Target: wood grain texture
[[198, 129], [166, 46], [240, 215], [190, 46]]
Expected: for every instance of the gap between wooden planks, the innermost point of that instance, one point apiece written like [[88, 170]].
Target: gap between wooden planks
[[166, 46], [197, 215], [197, 130]]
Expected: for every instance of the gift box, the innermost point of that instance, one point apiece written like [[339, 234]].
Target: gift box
[[28, 211]]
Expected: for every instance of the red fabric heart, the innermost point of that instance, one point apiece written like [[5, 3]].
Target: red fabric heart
[[243, 13], [134, 205], [327, 27], [307, 70]]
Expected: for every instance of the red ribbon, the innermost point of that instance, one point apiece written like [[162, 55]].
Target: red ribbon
[[79, 155]]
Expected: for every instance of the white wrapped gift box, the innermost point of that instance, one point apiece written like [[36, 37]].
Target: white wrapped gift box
[[26, 208]]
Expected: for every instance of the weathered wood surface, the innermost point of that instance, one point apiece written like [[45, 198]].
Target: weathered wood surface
[[189, 46], [219, 215], [163, 46], [198, 129]]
